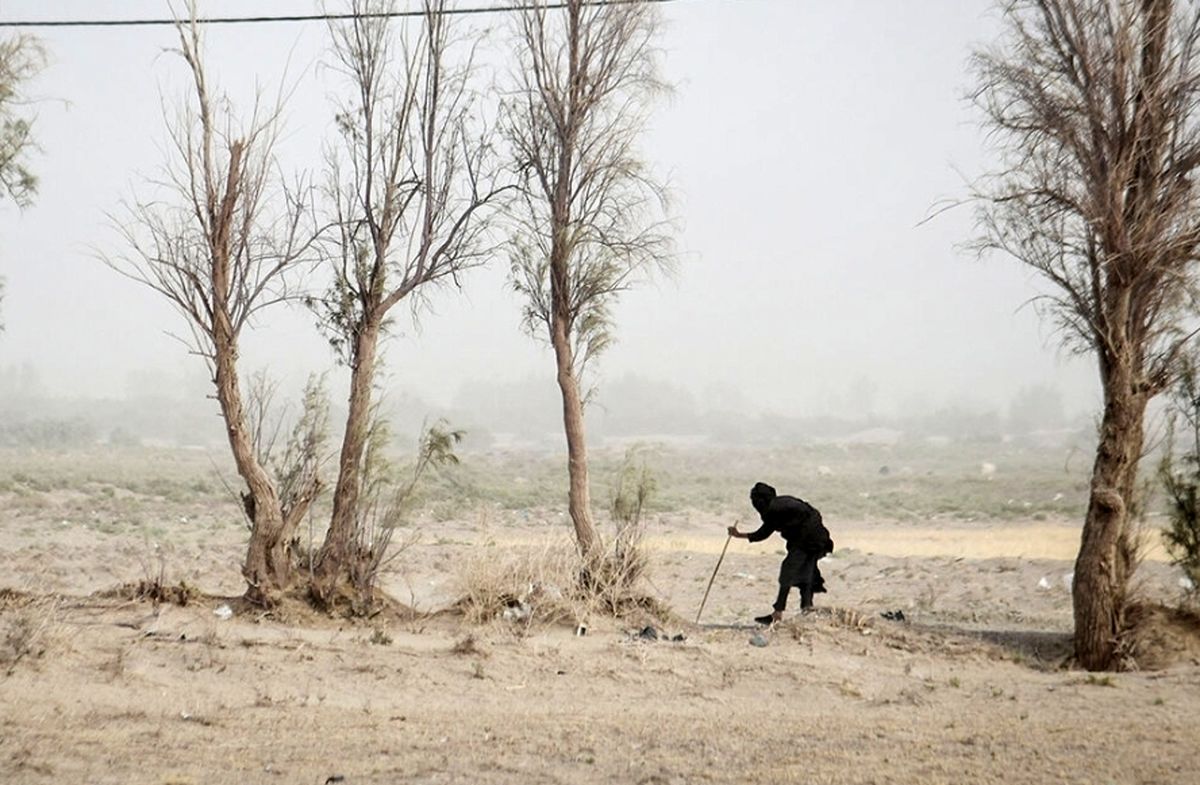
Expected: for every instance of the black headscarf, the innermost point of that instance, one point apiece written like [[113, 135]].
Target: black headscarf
[[761, 495]]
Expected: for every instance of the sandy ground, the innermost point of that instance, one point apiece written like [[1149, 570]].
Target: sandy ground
[[969, 688]]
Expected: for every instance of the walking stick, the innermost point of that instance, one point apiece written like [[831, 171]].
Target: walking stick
[[713, 578]]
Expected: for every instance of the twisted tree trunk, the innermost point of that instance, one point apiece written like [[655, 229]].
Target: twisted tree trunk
[[1106, 552]]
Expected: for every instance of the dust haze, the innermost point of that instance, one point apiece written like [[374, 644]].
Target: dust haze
[[811, 299]]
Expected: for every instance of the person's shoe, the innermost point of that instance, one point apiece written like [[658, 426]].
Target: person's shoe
[[768, 620]]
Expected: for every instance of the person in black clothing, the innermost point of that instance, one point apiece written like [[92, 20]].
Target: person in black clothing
[[807, 539]]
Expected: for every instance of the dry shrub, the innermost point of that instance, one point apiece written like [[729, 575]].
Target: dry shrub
[[1156, 637], [155, 586], [553, 583], [537, 583], [613, 583], [548, 584], [29, 631], [157, 592], [14, 598], [384, 505]]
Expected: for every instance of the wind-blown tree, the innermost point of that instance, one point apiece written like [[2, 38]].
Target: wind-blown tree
[[587, 216], [218, 240], [1094, 108], [21, 58], [413, 191]]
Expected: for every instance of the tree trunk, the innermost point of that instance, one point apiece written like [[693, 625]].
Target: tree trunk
[[579, 502], [1105, 562], [336, 551], [268, 565]]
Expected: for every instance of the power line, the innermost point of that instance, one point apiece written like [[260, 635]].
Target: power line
[[234, 20]]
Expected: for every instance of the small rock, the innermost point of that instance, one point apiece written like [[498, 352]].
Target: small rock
[[758, 639], [1186, 583], [680, 638], [648, 633], [893, 615], [223, 612]]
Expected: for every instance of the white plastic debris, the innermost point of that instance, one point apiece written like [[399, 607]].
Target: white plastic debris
[[519, 612], [223, 612], [1068, 580], [1044, 583], [1186, 583], [745, 576]]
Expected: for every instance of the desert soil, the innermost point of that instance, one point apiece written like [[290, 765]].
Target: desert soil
[[971, 687]]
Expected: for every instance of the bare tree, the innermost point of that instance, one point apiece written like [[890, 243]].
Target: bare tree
[[218, 241], [586, 216], [1093, 106], [412, 192]]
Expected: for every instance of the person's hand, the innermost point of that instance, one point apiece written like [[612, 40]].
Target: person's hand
[[733, 531]]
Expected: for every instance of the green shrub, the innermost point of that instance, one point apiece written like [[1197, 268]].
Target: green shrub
[[1180, 478]]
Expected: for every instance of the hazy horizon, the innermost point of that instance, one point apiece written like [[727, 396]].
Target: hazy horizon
[[804, 145]]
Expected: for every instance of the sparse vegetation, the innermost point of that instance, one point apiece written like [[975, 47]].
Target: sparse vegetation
[[28, 632], [1180, 477], [383, 504], [520, 585], [929, 483], [468, 645], [554, 640]]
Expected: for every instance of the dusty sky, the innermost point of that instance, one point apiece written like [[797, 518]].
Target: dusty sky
[[804, 144]]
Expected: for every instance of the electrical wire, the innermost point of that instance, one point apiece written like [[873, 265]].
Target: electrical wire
[[233, 20]]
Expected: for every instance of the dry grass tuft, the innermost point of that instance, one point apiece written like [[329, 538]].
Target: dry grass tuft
[[1157, 637], [468, 645], [155, 591], [546, 584], [521, 585], [15, 598], [29, 632]]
